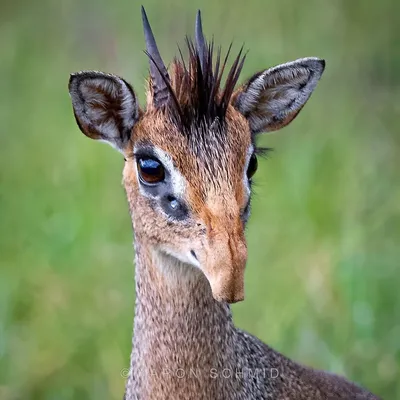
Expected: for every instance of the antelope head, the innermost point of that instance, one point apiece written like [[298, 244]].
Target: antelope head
[[190, 155]]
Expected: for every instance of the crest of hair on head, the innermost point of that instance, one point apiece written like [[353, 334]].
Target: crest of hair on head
[[195, 88]]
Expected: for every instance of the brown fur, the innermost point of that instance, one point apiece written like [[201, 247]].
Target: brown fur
[[184, 339], [189, 266], [185, 346], [215, 194]]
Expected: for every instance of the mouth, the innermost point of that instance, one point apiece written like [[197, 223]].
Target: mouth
[[193, 253], [223, 270], [193, 259]]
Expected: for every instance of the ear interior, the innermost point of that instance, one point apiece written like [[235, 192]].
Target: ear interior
[[105, 106], [272, 99]]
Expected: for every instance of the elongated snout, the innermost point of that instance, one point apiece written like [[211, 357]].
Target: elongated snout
[[223, 263]]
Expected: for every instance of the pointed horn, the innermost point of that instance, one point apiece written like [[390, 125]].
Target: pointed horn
[[200, 41], [158, 72]]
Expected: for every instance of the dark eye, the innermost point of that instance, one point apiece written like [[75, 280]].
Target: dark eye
[[150, 170], [252, 168]]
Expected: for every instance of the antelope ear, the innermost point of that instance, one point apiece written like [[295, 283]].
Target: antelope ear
[[272, 99], [105, 107]]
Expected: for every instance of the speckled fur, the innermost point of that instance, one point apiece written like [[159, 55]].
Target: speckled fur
[[185, 345]]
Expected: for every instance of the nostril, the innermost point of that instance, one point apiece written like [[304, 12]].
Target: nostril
[[193, 254]]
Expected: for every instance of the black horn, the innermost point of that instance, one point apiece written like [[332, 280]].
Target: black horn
[[200, 41], [158, 71]]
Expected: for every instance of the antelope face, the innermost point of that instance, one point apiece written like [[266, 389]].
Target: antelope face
[[191, 155], [190, 193]]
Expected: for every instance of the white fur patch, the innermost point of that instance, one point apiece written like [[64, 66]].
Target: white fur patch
[[177, 179], [175, 265], [250, 151]]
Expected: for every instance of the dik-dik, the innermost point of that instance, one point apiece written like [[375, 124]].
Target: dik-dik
[[190, 156]]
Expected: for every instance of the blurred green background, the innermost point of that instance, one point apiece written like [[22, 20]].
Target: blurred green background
[[323, 279]]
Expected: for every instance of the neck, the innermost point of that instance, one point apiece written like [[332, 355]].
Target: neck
[[180, 332]]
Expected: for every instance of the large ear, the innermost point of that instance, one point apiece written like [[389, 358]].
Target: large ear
[[272, 99], [105, 106]]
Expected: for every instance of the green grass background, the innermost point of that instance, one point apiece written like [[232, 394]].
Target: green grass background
[[323, 280]]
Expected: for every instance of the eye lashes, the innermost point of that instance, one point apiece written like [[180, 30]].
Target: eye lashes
[[145, 152], [263, 152]]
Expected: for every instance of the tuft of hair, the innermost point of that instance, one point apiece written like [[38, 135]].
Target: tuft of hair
[[197, 94]]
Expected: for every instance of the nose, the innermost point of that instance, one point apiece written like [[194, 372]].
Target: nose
[[225, 258], [225, 269]]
